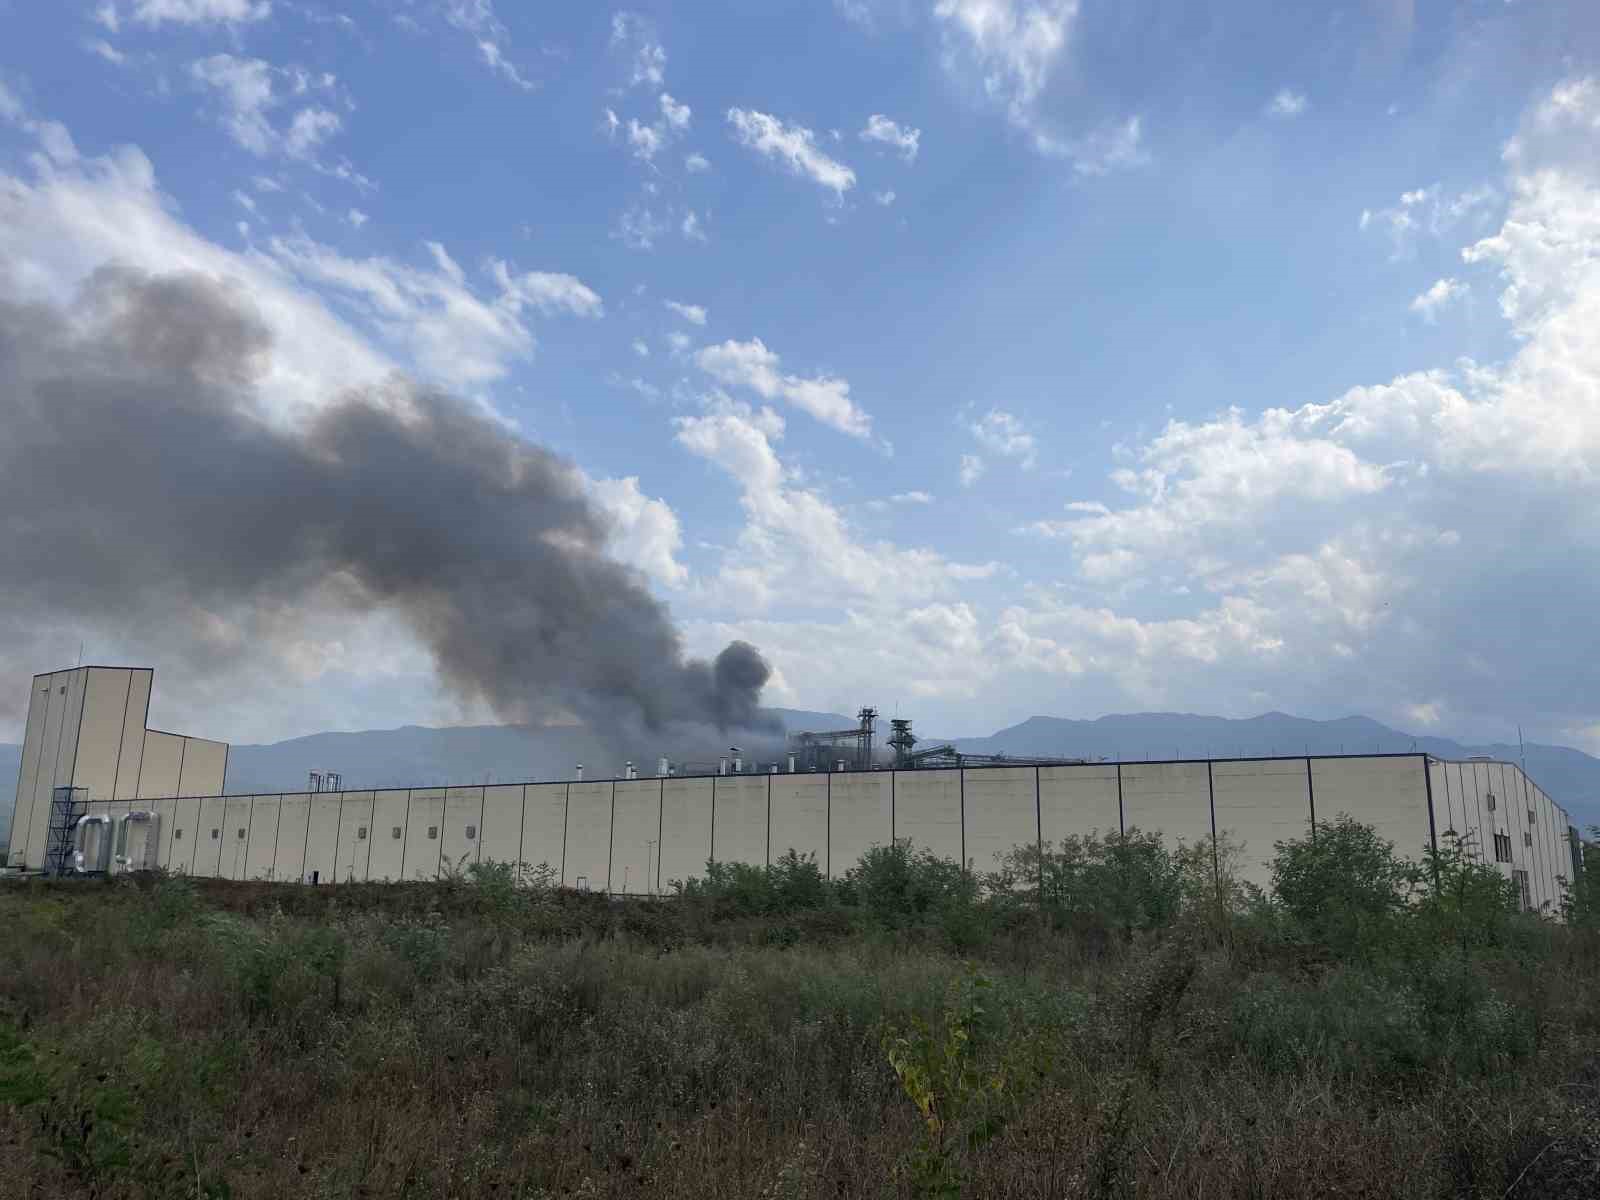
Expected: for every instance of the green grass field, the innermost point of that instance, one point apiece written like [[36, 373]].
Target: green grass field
[[1097, 1021]]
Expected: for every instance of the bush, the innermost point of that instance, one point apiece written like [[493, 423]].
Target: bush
[[1343, 887]]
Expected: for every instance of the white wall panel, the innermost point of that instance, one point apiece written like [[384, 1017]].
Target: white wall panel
[[210, 836], [161, 765], [927, 811], [1002, 813], [322, 838], [71, 717], [685, 830], [1387, 793], [289, 855], [588, 850], [48, 770], [386, 856], [28, 776], [105, 706], [544, 827], [1258, 804], [800, 816], [463, 827], [424, 824], [1449, 811], [861, 805], [635, 836], [130, 756], [168, 812], [500, 838], [739, 829], [1174, 798], [353, 843], [266, 814], [204, 767], [185, 839], [234, 862], [1075, 801]]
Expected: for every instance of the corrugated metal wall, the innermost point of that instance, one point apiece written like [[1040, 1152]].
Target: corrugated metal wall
[[637, 836]]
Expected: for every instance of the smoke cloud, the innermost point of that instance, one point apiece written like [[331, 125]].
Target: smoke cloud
[[140, 480]]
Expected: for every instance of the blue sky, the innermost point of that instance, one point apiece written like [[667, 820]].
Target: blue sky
[[976, 357]]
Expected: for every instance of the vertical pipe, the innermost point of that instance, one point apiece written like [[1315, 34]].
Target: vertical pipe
[[961, 777], [566, 813], [1311, 798], [1433, 830]]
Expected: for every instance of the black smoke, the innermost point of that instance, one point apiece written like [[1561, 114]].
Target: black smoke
[[139, 480]]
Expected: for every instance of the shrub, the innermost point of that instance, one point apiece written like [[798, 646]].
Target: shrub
[[1343, 887]]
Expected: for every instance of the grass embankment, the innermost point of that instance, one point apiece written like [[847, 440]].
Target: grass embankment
[[1097, 1021]]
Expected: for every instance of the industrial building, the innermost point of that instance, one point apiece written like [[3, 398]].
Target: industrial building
[[634, 836]]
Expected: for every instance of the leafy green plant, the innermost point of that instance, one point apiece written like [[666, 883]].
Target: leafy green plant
[[1344, 887]]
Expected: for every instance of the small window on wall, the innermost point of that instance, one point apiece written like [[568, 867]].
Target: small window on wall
[[1532, 819], [1489, 800], [472, 832], [215, 834], [177, 835], [241, 833], [1527, 839], [1502, 847], [433, 833], [395, 833], [361, 833], [1524, 892]]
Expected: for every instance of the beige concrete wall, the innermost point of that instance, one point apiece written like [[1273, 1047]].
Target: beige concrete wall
[[130, 755], [800, 816], [588, 848], [927, 811], [386, 855], [1078, 801], [635, 836], [167, 810], [48, 772], [235, 858], [862, 816], [1172, 798], [204, 767], [161, 767], [423, 827], [544, 827], [39, 690], [685, 830], [1002, 813], [1387, 793], [186, 838], [266, 814], [210, 834], [463, 827], [739, 834], [1258, 804], [105, 708], [501, 835], [294, 823], [71, 718], [354, 837]]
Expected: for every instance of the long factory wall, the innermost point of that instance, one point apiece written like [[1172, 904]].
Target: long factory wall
[[635, 837]]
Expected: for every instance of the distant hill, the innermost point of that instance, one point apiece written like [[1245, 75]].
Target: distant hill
[[419, 756]]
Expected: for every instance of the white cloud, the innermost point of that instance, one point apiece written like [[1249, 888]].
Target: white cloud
[[308, 130], [1443, 292], [644, 139], [792, 145], [647, 62], [690, 227], [692, 313], [244, 201], [1012, 45], [1428, 211], [189, 12], [639, 348], [247, 91], [676, 115], [645, 532], [477, 19], [972, 469], [265, 183], [638, 228], [884, 198], [1286, 105], [750, 364], [1114, 147], [356, 217], [104, 49], [106, 14], [911, 498], [1002, 433], [696, 163], [902, 138], [677, 342]]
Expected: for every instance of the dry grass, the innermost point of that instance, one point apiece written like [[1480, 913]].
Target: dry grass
[[247, 1040]]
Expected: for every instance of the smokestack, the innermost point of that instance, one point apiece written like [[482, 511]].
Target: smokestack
[[580, 772], [722, 765], [627, 771], [194, 507], [738, 759], [791, 764]]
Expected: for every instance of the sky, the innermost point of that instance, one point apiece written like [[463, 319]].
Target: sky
[[971, 358]]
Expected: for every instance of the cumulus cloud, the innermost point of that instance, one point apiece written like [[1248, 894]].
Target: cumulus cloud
[[695, 163], [1286, 105], [249, 90], [638, 228], [154, 13], [695, 314], [690, 227], [1443, 292], [901, 138], [751, 365], [792, 146], [883, 199], [972, 469], [1002, 433], [1429, 212], [674, 114], [632, 36]]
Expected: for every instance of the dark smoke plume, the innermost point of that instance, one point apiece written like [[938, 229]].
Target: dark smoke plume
[[138, 479]]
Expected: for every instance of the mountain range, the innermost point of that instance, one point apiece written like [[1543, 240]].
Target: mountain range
[[418, 756]]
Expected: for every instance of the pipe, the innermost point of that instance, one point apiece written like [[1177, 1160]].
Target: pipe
[[791, 764]]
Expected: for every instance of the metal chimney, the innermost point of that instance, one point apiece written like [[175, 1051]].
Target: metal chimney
[[580, 772], [627, 770], [738, 759], [791, 764]]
